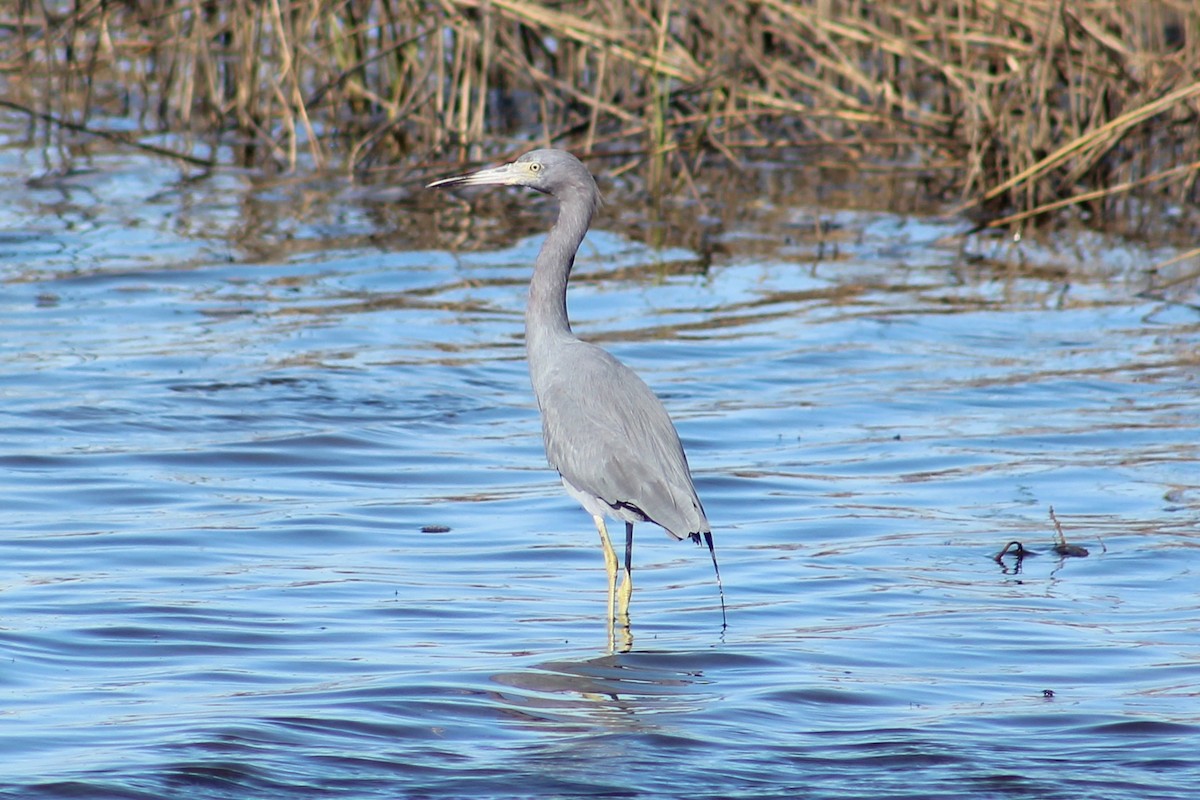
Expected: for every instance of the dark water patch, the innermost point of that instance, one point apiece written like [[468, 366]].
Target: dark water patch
[[1144, 728], [98, 789]]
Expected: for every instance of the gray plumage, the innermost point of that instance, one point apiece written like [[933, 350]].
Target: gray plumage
[[605, 431]]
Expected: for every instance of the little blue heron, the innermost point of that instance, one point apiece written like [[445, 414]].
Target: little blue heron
[[604, 430]]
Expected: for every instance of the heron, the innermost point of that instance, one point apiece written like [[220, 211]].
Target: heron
[[605, 432]]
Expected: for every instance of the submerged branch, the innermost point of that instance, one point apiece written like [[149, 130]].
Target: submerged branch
[[117, 137]]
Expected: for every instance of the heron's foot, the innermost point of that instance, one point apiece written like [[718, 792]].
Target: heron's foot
[[624, 642], [624, 595]]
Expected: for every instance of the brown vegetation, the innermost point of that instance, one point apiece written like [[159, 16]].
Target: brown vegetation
[[1011, 108]]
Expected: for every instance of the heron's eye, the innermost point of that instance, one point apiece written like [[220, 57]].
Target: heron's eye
[[535, 167]]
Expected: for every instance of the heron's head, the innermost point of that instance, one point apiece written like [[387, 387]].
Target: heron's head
[[555, 172]]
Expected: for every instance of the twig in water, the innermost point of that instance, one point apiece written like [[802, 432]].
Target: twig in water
[[1061, 547]]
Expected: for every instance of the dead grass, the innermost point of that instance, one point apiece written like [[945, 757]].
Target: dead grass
[[1016, 110]]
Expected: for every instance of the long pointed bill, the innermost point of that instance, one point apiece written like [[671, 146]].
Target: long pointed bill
[[504, 175]]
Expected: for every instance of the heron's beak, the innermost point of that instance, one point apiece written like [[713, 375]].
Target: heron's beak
[[504, 175]]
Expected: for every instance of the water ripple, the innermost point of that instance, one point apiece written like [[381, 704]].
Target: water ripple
[[277, 522]]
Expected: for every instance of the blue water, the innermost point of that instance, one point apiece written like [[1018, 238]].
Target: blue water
[[277, 523]]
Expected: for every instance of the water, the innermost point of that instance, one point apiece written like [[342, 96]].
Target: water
[[277, 521]]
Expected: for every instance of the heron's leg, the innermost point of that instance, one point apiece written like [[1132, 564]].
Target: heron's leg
[[610, 566], [627, 584]]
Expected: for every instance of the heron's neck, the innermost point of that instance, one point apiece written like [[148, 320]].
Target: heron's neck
[[546, 312]]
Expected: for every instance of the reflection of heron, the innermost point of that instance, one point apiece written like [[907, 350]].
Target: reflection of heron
[[605, 432]]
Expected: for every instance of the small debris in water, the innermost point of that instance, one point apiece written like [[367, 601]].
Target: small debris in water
[[435, 529], [1014, 548], [1048, 694], [1062, 548]]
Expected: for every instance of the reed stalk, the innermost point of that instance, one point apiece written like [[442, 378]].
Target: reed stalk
[[1020, 110]]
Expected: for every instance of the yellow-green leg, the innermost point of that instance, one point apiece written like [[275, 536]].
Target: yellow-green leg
[[618, 608], [610, 566], [627, 584]]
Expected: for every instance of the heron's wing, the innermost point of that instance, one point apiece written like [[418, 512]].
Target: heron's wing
[[609, 436]]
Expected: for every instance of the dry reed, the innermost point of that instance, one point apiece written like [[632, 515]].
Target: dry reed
[[1013, 109]]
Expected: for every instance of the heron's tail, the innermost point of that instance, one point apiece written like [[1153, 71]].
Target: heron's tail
[[708, 540]]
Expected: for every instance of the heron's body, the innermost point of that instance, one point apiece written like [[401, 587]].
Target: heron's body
[[620, 431], [605, 431]]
